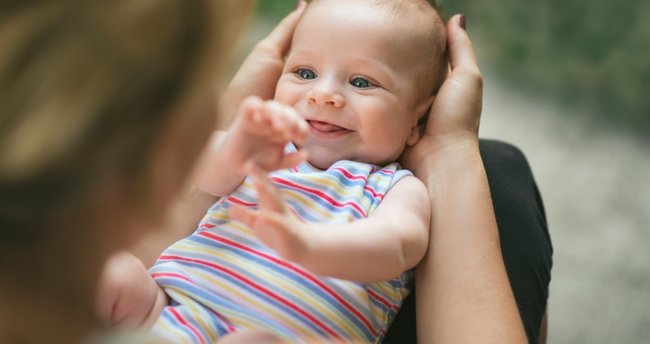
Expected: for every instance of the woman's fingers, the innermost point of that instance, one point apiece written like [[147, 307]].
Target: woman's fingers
[[462, 59], [280, 38], [460, 47], [457, 106], [456, 110]]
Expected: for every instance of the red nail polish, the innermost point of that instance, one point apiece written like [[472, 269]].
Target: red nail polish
[[461, 21]]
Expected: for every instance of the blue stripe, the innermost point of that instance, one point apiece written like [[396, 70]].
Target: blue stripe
[[218, 302], [189, 335], [355, 193], [261, 296], [283, 272]]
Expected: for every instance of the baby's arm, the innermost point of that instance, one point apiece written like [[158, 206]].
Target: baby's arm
[[259, 134], [391, 240], [127, 295]]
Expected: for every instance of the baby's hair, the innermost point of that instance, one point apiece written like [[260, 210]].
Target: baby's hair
[[430, 79]]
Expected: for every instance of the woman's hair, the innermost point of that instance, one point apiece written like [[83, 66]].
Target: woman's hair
[[86, 86]]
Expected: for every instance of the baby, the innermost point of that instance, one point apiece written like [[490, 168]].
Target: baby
[[320, 248]]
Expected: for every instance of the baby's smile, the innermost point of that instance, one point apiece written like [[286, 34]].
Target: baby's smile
[[325, 130]]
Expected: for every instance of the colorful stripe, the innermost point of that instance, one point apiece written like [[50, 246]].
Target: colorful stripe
[[222, 279]]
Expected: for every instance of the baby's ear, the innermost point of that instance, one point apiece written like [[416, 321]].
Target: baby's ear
[[414, 136], [422, 114]]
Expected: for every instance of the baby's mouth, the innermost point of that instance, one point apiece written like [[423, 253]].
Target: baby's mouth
[[326, 130]]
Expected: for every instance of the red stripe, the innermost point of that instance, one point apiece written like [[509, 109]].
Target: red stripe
[[373, 192], [240, 202], [258, 287], [223, 320], [382, 300], [184, 278], [172, 275], [207, 225], [350, 175], [321, 195], [300, 272], [182, 321], [364, 178]]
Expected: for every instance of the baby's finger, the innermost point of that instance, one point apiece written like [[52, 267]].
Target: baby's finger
[[242, 214], [286, 121], [250, 107], [295, 128], [292, 159], [268, 195], [300, 131], [282, 116]]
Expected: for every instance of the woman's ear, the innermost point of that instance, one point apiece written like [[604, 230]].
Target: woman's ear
[[421, 113]]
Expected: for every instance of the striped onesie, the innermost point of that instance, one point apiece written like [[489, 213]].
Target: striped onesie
[[222, 279]]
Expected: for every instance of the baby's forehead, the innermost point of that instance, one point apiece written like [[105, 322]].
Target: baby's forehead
[[413, 21], [397, 9], [410, 32]]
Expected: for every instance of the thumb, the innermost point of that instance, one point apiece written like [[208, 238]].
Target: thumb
[[280, 37]]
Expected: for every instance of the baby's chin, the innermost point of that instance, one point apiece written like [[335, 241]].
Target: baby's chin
[[322, 158], [322, 164]]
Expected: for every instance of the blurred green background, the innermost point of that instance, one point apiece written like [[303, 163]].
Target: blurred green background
[[594, 55]]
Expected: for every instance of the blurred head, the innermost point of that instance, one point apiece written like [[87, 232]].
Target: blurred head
[[105, 107], [363, 73]]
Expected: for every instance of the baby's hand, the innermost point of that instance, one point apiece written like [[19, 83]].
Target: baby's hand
[[273, 222], [261, 132]]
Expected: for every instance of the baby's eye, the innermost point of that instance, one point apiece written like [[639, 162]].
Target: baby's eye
[[360, 83], [306, 74]]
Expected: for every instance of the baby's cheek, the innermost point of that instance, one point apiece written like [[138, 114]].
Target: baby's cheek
[[289, 93], [286, 92]]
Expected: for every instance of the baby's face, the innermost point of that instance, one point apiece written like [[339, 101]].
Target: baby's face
[[351, 73]]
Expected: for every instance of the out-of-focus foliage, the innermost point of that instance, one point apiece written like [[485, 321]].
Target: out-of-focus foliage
[[584, 53], [594, 53], [274, 9]]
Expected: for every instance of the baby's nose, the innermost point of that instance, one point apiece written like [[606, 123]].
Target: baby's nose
[[325, 94]]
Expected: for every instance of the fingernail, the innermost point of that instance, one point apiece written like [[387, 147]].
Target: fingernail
[[461, 21], [298, 3]]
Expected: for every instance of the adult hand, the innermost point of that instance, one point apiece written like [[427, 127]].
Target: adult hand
[[455, 113], [463, 291], [261, 70]]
